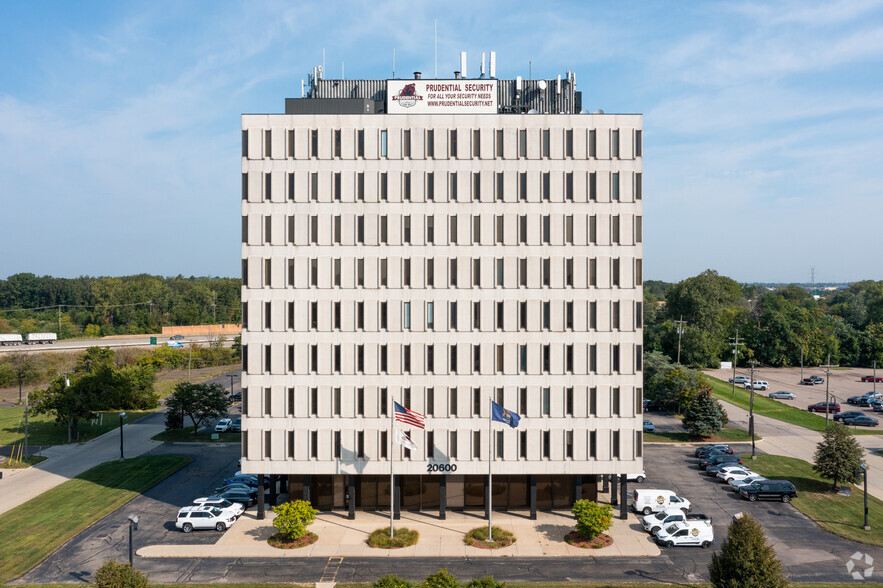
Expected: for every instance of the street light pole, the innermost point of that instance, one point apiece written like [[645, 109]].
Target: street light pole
[[133, 526], [680, 325], [864, 467], [122, 417], [751, 411], [231, 376]]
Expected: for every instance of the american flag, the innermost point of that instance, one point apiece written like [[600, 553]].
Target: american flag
[[407, 416]]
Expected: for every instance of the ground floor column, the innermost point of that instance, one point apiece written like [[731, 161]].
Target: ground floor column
[[487, 496], [261, 497], [351, 496], [533, 498], [623, 496], [397, 498], [605, 487], [614, 498], [442, 498], [274, 495], [577, 488], [307, 488]]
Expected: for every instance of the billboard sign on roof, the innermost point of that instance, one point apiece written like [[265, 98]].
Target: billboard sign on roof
[[441, 96]]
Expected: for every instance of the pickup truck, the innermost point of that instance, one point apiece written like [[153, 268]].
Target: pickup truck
[[652, 523]]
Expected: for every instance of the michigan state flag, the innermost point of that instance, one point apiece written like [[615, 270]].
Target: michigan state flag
[[498, 413]]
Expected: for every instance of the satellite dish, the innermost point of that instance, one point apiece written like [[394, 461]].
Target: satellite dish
[[584, 112], [599, 111], [532, 111], [541, 84]]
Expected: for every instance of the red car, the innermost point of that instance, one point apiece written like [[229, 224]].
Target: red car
[[871, 379], [820, 407]]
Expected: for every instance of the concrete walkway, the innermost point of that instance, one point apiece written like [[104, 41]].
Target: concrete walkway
[[68, 461], [780, 438], [341, 537]]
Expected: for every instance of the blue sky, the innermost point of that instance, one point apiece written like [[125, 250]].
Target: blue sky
[[763, 154]]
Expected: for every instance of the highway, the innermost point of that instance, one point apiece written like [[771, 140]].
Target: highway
[[124, 341]]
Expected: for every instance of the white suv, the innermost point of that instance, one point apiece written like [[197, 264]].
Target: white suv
[[757, 385], [203, 517]]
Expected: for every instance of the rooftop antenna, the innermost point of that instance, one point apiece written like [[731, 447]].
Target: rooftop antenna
[[302, 94], [493, 65], [482, 65], [436, 48], [323, 59], [530, 70], [393, 63], [462, 64]]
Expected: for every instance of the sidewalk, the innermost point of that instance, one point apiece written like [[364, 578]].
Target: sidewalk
[[780, 438], [341, 537], [67, 461]]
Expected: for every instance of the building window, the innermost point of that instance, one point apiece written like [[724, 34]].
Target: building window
[[314, 143], [268, 272], [476, 143], [290, 445], [614, 229], [360, 402], [499, 354], [546, 142], [268, 187], [360, 359], [568, 358], [499, 272], [639, 314], [522, 444], [337, 143], [593, 142], [406, 144], [384, 315], [639, 229], [522, 186], [593, 444], [430, 315], [499, 186], [291, 187], [384, 185], [384, 272], [639, 358], [614, 186], [568, 272], [384, 441], [568, 143], [245, 186], [337, 361], [337, 445], [476, 445], [614, 143], [522, 359], [547, 358], [614, 445], [291, 143], [593, 358], [407, 229], [383, 401], [452, 316], [430, 445], [614, 272], [476, 359], [547, 272], [452, 445], [406, 359], [498, 444], [547, 186], [568, 186], [406, 273], [639, 272], [568, 444], [547, 229], [500, 314], [614, 358], [476, 187], [314, 358], [476, 316], [593, 272], [639, 136], [639, 400], [384, 144], [406, 185], [430, 143], [615, 315], [338, 181], [452, 186], [337, 314], [406, 316], [453, 143], [522, 143], [593, 186], [476, 402], [522, 229], [360, 143], [452, 364], [384, 358], [337, 272], [547, 315], [360, 186], [614, 401], [499, 143], [314, 187], [452, 274], [430, 401], [639, 186], [430, 229], [593, 402], [547, 441], [244, 143], [522, 315], [314, 229]]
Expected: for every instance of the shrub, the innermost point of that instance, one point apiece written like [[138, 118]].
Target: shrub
[[592, 518], [113, 574], [401, 538], [441, 579], [293, 518], [391, 581], [486, 582], [745, 559], [478, 538]]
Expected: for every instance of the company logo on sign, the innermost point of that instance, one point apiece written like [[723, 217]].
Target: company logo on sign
[[408, 96], [660, 500], [694, 532]]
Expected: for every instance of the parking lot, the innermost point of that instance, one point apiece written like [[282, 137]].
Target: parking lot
[[800, 543], [843, 383]]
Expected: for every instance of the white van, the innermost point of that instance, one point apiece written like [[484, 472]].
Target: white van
[[647, 501], [699, 533]]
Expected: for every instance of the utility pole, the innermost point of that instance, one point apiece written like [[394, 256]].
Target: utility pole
[[801, 364], [875, 378], [827, 367], [680, 328], [751, 410], [736, 344]]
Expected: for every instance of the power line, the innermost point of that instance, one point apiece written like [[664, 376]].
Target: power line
[[60, 306]]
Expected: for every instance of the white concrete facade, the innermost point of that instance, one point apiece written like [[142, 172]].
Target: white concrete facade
[[405, 271]]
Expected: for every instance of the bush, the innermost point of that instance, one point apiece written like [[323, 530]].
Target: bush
[[441, 579], [113, 574], [391, 581], [401, 538], [293, 518], [486, 582], [478, 538], [745, 559], [592, 518]]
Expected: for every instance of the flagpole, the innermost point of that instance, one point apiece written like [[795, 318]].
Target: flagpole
[[392, 487], [490, 485]]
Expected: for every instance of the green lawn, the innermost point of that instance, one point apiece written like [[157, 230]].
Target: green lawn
[[32, 531], [842, 515], [570, 585], [727, 435], [186, 436], [775, 409], [43, 430]]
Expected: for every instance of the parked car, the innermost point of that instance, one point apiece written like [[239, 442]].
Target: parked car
[[234, 508], [758, 385], [248, 480], [223, 425], [734, 474], [203, 517], [650, 405], [654, 522], [699, 533], [736, 484], [706, 448], [817, 379], [769, 490], [872, 379], [807, 382], [714, 460], [705, 455], [861, 421], [783, 395], [636, 477], [820, 407], [740, 380], [647, 501], [176, 338], [649, 427], [877, 406], [868, 399], [847, 415], [243, 495], [175, 344], [715, 469], [864, 399], [236, 396], [236, 427]]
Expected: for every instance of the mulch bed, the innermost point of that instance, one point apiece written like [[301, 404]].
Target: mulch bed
[[577, 539], [282, 543]]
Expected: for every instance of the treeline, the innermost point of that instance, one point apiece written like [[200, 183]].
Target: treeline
[[775, 326], [93, 307]]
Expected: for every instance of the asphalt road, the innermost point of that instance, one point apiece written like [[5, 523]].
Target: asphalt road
[[139, 341], [809, 553]]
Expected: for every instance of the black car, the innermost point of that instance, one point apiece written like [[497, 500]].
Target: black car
[[239, 495], [236, 396], [718, 459], [236, 427], [861, 421], [722, 447], [769, 490], [841, 416], [704, 454], [817, 379], [808, 382]]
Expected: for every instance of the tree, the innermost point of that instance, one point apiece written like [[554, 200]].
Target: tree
[[704, 415], [24, 367], [113, 574], [293, 518], [199, 402], [441, 579], [838, 455], [745, 560], [592, 518]]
